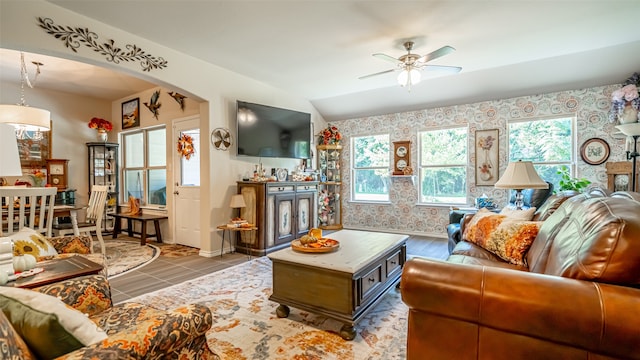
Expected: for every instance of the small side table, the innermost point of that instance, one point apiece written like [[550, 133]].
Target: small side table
[[228, 228]]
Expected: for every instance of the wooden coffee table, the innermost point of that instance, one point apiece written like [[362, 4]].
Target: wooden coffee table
[[58, 270], [343, 285]]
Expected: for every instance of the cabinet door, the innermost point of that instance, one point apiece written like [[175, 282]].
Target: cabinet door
[[284, 211], [305, 207]]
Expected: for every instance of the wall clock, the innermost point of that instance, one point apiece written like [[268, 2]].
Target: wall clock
[[57, 173], [401, 156]]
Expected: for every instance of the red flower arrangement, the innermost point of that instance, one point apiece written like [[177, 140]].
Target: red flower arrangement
[[100, 124], [330, 136]]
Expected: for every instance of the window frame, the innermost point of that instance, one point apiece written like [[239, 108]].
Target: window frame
[[145, 168], [465, 164], [385, 168]]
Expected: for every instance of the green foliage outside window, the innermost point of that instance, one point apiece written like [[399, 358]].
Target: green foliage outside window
[[370, 161], [443, 166], [547, 143]]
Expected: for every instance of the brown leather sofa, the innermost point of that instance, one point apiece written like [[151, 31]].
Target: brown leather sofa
[[578, 298]]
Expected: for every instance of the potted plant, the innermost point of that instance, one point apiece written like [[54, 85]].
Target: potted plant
[[569, 183]]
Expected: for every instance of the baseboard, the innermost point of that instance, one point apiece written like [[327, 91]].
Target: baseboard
[[416, 233]]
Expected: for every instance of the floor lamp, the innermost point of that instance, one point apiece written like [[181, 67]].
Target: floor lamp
[[520, 175], [632, 130]]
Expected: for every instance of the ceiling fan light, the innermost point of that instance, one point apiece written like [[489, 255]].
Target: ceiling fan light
[[403, 78]]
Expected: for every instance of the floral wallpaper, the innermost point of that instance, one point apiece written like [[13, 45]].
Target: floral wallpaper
[[589, 106]]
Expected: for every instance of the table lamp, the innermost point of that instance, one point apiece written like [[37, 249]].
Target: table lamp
[[9, 158], [520, 175], [237, 202]]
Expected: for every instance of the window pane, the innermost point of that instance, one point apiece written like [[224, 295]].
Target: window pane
[[444, 185], [157, 187], [133, 184], [549, 173], [157, 147], [371, 151], [371, 185], [191, 168], [134, 150], [540, 140], [444, 147]]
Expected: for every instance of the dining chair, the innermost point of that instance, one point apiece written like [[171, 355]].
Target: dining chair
[[93, 218], [27, 206]]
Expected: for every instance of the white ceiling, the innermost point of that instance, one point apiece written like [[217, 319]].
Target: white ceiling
[[318, 49]]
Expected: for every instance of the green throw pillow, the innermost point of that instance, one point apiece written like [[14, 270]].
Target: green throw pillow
[[48, 326]]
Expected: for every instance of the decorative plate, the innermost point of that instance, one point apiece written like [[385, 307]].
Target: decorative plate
[[326, 245], [594, 151]]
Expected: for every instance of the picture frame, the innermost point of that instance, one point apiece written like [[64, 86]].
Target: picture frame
[[131, 114], [487, 160], [595, 151], [34, 148]]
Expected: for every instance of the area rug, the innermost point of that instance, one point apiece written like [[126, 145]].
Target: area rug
[[246, 326], [177, 250], [125, 256]]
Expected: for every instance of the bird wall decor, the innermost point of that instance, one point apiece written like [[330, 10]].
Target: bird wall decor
[[179, 98], [154, 105]]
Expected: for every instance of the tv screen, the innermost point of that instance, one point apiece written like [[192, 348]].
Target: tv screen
[[267, 131]]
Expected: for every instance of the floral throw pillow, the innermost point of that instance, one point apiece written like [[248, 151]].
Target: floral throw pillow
[[29, 241], [507, 238]]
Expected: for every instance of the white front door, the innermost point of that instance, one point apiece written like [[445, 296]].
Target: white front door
[[186, 191]]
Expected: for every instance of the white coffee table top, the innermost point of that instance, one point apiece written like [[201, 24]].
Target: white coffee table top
[[357, 249]]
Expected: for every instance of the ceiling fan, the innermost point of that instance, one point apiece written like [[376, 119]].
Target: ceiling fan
[[411, 64]]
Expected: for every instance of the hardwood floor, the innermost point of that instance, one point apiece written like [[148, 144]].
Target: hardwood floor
[[167, 271]]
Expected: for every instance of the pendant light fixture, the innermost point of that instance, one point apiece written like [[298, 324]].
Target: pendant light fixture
[[21, 115]]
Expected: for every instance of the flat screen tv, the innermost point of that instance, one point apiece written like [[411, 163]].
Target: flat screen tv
[[266, 131]]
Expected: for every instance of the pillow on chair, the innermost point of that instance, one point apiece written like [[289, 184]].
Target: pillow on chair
[[48, 326], [29, 241]]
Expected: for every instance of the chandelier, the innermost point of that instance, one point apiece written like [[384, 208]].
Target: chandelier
[[23, 117]]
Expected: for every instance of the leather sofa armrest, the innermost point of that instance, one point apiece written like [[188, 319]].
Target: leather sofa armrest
[[587, 314], [465, 220], [163, 336]]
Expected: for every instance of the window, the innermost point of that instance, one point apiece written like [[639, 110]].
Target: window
[[443, 166], [370, 170], [548, 143], [145, 166]]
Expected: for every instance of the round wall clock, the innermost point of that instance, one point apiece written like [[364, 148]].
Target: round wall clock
[[594, 151]]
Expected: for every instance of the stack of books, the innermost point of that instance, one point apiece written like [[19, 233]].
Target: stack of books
[[237, 222]]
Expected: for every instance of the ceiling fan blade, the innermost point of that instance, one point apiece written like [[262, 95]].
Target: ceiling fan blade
[[376, 74], [436, 54], [444, 68], [387, 58]]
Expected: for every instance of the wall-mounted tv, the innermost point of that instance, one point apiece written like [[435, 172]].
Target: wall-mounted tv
[[266, 131]]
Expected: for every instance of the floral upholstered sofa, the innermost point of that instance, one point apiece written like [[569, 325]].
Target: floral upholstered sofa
[[129, 330], [76, 319]]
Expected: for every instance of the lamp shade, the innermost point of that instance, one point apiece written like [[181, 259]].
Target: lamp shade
[[9, 158], [28, 118], [237, 201], [409, 76], [521, 175]]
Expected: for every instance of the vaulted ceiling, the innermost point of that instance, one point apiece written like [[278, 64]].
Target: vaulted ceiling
[[319, 49]]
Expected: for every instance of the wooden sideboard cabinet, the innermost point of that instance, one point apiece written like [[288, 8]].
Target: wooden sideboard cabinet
[[282, 211]]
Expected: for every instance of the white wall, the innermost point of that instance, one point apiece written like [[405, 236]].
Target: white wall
[[69, 116], [219, 89]]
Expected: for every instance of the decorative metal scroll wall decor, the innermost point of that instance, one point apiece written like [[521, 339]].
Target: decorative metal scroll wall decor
[[74, 37]]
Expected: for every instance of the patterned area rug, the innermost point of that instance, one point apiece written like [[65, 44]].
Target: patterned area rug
[[246, 326], [176, 250], [123, 256]]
